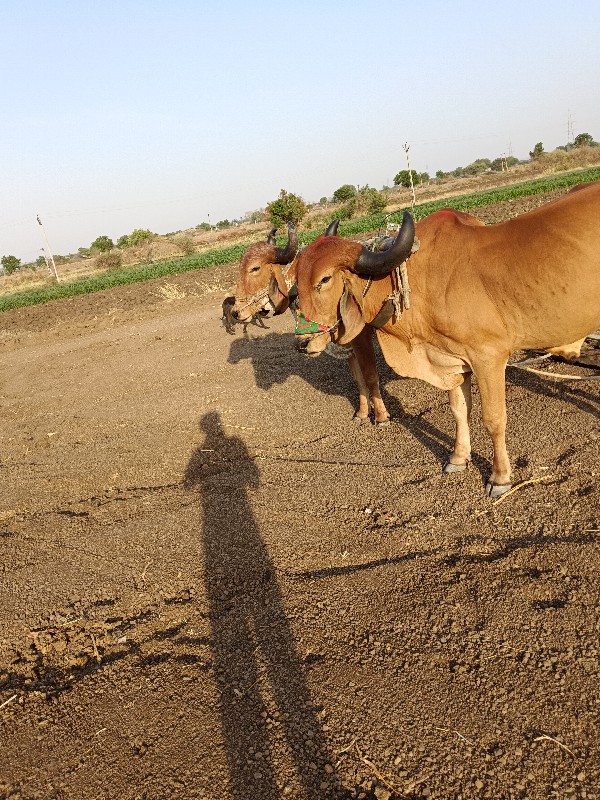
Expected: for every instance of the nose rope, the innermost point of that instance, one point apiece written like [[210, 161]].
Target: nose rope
[[262, 293]]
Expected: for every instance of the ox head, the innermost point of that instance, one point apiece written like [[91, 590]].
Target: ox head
[[330, 303], [261, 286]]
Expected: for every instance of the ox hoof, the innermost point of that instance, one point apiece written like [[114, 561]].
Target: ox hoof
[[495, 490], [385, 423], [360, 420], [450, 468]]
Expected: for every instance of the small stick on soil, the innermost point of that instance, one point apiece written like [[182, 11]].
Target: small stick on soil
[[347, 748], [10, 699], [460, 736], [520, 486], [96, 653], [545, 737], [378, 774], [143, 575]]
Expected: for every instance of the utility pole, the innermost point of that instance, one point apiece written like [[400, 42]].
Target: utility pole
[[570, 136], [406, 148], [45, 238]]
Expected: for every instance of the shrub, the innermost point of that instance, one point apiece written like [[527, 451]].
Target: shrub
[[584, 140], [537, 151], [287, 208], [366, 201], [103, 244], [478, 167], [10, 263], [403, 178], [138, 236], [111, 259], [344, 193], [185, 243]]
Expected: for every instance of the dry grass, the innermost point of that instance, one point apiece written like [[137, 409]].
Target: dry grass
[[170, 292]]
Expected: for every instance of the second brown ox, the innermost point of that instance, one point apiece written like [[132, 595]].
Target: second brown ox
[[266, 275], [478, 293]]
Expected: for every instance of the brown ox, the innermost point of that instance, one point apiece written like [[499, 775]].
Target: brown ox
[[265, 277], [478, 292]]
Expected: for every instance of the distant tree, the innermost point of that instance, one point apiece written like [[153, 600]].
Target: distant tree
[[441, 174], [423, 177], [123, 241], [478, 166], [103, 244], [287, 208], [10, 263], [365, 202], [403, 178], [459, 172], [138, 236], [537, 151], [372, 200], [84, 252], [40, 261], [323, 201], [501, 163], [584, 140], [345, 192], [223, 223], [203, 226]]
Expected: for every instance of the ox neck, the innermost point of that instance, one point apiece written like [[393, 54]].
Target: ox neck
[[397, 300]]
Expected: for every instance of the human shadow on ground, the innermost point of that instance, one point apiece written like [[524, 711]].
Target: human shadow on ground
[[264, 699]]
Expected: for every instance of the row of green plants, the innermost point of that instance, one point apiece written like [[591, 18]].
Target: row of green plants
[[469, 202], [228, 255]]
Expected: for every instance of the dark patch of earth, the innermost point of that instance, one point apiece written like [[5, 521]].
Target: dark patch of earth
[[215, 585]]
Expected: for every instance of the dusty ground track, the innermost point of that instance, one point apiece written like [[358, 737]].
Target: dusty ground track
[[215, 585]]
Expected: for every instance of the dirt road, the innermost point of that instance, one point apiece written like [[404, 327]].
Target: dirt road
[[216, 585]]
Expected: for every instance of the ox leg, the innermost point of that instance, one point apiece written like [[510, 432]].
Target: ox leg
[[460, 405], [364, 369], [492, 389], [362, 413]]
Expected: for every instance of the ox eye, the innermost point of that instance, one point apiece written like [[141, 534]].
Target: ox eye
[[323, 281], [255, 269]]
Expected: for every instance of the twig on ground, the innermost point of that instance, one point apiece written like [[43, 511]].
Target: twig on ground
[[520, 486], [347, 748], [10, 699], [378, 774], [460, 736], [96, 653], [545, 737]]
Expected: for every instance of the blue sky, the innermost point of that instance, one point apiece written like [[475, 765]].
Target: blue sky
[[124, 114]]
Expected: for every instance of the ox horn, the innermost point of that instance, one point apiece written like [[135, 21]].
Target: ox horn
[[271, 236], [286, 254], [370, 263], [332, 229]]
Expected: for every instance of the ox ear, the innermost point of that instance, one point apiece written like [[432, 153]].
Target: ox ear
[[278, 292], [352, 316]]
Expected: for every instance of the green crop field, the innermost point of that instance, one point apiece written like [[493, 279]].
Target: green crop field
[[227, 255]]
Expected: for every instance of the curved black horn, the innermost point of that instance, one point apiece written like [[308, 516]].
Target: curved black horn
[[332, 229], [271, 236], [286, 254], [370, 263]]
